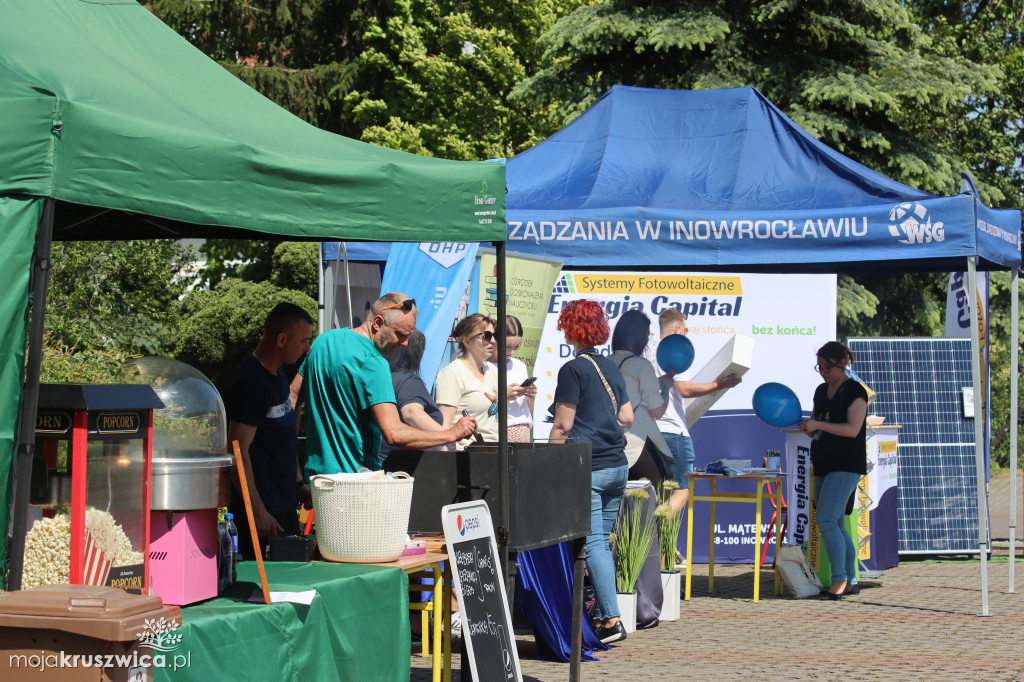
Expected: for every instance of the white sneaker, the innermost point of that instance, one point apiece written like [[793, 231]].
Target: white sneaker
[[456, 630]]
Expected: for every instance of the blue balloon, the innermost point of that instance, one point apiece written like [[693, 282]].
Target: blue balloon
[[777, 405], [675, 354]]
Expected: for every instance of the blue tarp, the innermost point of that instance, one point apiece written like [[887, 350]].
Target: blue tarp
[[722, 178]]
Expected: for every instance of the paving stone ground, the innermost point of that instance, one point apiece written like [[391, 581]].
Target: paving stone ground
[[919, 621]]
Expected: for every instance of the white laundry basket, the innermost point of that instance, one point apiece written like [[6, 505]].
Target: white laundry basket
[[361, 518]]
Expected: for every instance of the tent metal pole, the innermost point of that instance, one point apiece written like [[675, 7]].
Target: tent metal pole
[[321, 288], [979, 427], [503, 477], [1014, 369], [30, 394], [348, 287]]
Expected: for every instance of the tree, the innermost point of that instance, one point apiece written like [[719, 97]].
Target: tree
[[119, 295], [1000, 319], [220, 326], [860, 76], [424, 76], [990, 32]]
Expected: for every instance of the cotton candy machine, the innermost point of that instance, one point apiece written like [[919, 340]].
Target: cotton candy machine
[[190, 479], [190, 460]]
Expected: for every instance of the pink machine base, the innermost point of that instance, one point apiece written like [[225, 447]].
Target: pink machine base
[[183, 555]]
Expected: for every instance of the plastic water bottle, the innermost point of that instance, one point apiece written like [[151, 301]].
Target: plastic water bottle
[[225, 558], [229, 519]]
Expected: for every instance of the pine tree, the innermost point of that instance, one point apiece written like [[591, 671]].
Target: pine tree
[[863, 77]]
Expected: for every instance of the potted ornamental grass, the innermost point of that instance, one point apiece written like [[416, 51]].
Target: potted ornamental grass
[[668, 523], [634, 535]]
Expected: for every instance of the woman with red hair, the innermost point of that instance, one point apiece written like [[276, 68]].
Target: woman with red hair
[[591, 405]]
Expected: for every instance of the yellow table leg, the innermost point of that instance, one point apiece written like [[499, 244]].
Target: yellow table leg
[[778, 534], [446, 615], [757, 541], [711, 538], [435, 663], [689, 540]]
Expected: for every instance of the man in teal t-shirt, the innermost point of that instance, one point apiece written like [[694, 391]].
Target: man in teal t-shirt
[[350, 402]]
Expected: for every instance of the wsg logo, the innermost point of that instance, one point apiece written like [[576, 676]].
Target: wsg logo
[[911, 221]]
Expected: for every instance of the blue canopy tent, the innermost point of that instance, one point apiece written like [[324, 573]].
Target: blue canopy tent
[[723, 180]]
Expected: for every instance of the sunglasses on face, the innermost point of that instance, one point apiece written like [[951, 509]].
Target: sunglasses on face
[[487, 336], [405, 305]]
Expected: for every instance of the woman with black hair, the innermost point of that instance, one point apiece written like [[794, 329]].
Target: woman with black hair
[[415, 406], [646, 449], [839, 457]]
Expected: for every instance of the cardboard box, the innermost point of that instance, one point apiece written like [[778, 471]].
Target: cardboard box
[[734, 358]]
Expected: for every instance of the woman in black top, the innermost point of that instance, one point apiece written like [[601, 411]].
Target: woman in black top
[[839, 456], [415, 406], [592, 406]]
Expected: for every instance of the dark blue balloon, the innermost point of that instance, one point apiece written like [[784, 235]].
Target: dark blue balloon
[[776, 405], [675, 354]]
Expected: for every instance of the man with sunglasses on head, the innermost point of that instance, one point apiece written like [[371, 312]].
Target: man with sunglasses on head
[[345, 381]]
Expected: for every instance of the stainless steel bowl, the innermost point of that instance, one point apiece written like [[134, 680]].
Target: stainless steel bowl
[[185, 483]]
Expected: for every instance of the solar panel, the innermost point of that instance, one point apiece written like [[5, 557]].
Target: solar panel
[[919, 384]]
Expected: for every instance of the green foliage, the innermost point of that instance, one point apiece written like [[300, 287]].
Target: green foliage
[[668, 522], [633, 537], [233, 257], [89, 365], [853, 302], [862, 77], [424, 76], [115, 296], [1000, 320], [296, 266], [904, 305], [223, 325]]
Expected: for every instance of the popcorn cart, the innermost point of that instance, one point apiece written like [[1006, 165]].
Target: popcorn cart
[[96, 443]]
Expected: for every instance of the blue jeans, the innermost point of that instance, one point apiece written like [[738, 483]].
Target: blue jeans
[[606, 489], [831, 493], [681, 448]]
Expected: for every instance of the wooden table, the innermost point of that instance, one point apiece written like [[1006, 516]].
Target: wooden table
[[760, 481], [440, 637]]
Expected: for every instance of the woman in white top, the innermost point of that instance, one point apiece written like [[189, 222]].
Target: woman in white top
[[520, 400], [470, 382]]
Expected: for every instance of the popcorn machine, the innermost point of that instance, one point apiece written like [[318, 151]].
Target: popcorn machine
[[96, 444]]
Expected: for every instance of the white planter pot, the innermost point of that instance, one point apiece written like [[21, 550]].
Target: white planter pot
[[670, 595], [627, 610]]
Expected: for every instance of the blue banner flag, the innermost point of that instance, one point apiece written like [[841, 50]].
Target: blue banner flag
[[435, 274]]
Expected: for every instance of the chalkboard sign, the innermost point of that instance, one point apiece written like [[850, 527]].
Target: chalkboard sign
[[486, 623]]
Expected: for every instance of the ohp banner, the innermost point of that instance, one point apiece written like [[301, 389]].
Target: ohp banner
[[435, 274]]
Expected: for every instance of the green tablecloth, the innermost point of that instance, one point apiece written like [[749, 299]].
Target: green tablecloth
[[357, 628]]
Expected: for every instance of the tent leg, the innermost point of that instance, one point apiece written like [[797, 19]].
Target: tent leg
[[30, 395], [1014, 369], [348, 287], [503, 473], [979, 428]]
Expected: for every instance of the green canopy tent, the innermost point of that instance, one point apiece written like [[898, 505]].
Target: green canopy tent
[[114, 127]]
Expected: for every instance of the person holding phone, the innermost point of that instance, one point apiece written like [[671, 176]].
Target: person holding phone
[[521, 387], [470, 382]]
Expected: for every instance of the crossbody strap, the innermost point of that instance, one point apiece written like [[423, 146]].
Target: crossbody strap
[[615, 403]]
